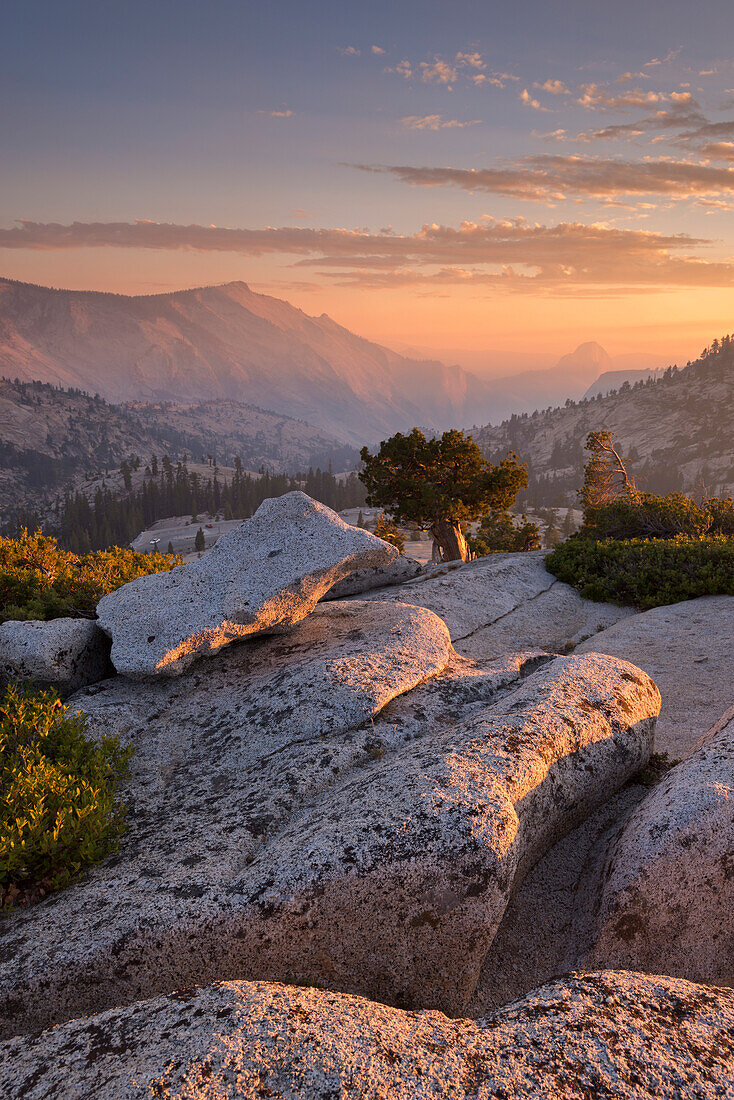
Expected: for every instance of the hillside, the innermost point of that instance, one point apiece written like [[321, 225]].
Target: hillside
[[227, 342], [53, 437], [615, 379], [677, 430]]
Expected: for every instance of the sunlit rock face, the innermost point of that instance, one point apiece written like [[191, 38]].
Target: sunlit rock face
[[266, 574], [606, 1034]]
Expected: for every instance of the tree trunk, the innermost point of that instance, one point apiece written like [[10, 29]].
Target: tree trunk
[[449, 537]]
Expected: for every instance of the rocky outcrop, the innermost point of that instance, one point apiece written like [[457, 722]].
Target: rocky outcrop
[[400, 571], [687, 649], [605, 1035], [266, 574], [278, 835], [668, 899], [505, 603], [66, 654]]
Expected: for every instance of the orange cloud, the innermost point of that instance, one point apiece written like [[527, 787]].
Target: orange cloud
[[554, 178], [529, 101], [435, 122], [511, 255], [554, 87]]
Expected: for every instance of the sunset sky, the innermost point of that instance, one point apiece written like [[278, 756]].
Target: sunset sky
[[509, 177]]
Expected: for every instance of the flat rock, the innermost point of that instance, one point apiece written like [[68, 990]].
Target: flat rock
[[687, 649], [266, 574], [372, 856], [506, 602], [400, 571], [66, 654], [668, 900], [605, 1035]]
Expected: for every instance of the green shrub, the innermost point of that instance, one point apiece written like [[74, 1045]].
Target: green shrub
[[40, 580], [498, 534], [57, 795], [646, 516], [646, 572]]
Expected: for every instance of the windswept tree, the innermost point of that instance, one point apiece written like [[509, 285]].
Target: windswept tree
[[439, 484], [605, 474]]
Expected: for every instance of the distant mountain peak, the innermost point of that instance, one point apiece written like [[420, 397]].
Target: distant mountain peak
[[231, 342]]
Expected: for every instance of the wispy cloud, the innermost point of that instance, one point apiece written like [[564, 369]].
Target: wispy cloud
[[597, 97], [672, 55], [555, 178], [722, 150], [283, 112], [377, 49], [530, 101], [512, 255], [462, 66], [554, 87], [438, 71], [349, 51], [435, 122], [403, 68], [682, 118]]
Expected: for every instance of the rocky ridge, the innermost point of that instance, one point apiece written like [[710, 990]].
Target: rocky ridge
[[606, 1034], [409, 796]]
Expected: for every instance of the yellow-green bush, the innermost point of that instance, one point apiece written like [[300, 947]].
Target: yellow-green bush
[[58, 812], [40, 580]]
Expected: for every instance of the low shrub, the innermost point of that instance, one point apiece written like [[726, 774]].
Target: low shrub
[[498, 533], [57, 795], [646, 572], [40, 580], [646, 516]]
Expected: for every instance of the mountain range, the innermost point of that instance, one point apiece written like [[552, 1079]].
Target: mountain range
[[229, 343]]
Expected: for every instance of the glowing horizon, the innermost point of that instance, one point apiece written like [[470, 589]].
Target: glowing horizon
[[431, 179]]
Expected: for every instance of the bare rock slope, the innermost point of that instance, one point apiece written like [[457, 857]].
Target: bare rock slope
[[687, 648], [274, 833], [606, 1035], [506, 603]]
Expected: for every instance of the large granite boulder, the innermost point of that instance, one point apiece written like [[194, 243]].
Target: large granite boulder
[[668, 900], [605, 1035], [506, 602], [267, 573], [399, 571], [687, 649], [66, 654], [312, 836]]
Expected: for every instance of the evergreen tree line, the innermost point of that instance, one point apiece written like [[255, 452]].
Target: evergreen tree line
[[114, 518]]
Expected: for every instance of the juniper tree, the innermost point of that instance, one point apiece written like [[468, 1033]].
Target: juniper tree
[[439, 484]]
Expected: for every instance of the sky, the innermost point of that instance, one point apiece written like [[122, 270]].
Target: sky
[[509, 179]]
